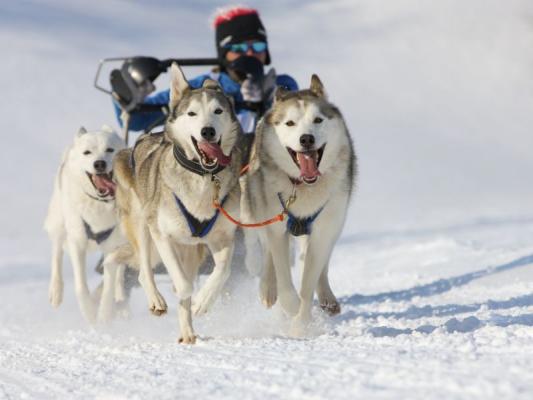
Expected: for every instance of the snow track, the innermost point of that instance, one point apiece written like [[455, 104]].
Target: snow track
[[445, 328]]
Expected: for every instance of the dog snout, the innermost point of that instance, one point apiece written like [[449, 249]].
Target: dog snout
[[100, 166], [307, 141], [208, 133]]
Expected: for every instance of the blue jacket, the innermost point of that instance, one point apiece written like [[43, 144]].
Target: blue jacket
[[141, 121]]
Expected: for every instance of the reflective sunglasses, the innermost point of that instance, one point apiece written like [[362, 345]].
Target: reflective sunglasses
[[257, 47]]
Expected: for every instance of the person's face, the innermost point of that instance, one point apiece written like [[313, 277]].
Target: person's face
[[233, 55]]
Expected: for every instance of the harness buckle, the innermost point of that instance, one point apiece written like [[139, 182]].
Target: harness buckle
[[291, 199]]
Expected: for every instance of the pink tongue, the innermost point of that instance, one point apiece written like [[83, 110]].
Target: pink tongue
[[104, 184], [308, 167], [213, 150]]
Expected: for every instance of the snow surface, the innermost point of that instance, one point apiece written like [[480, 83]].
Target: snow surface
[[434, 269]]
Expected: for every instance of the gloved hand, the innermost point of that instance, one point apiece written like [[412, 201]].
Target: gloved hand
[[251, 90]]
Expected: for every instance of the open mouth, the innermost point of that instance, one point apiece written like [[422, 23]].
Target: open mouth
[[308, 163], [211, 154], [103, 183]]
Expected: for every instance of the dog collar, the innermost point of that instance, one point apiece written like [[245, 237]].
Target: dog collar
[[193, 166]]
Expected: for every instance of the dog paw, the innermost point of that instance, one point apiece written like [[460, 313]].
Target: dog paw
[[268, 294], [88, 309], [105, 315], [299, 327], [120, 293], [290, 302], [331, 307], [158, 305], [55, 293], [122, 310], [203, 301], [187, 339]]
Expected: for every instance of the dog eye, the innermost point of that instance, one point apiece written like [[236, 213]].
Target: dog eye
[[191, 114], [290, 123], [218, 111], [86, 152], [109, 150], [317, 120]]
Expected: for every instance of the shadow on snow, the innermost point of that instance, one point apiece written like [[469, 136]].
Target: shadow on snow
[[468, 324]]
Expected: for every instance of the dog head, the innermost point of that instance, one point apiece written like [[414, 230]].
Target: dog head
[[308, 132], [91, 156], [201, 121]]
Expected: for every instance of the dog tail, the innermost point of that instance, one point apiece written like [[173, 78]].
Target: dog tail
[[122, 169]]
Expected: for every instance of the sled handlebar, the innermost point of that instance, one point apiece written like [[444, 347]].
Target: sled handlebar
[[156, 66]]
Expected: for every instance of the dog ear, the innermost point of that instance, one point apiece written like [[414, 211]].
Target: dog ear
[[178, 86], [211, 84], [280, 93], [317, 87], [81, 131]]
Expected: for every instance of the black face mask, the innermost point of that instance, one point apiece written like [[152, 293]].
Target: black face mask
[[246, 67]]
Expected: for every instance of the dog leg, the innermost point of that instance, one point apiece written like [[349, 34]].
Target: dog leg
[[185, 320], [268, 290], [105, 311], [182, 285], [156, 302], [326, 298], [77, 250], [317, 257], [212, 287], [55, 290], [120, 289], [287, 295]]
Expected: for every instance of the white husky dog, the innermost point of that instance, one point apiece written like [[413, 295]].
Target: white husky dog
[[82, 215], [303, 163]]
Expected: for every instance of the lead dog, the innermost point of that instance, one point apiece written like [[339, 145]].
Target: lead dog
[[82, 212], [165, 193], [302, 161]]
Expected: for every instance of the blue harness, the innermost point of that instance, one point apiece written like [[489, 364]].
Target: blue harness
[[198, 228], [299, 226], [98, 237]]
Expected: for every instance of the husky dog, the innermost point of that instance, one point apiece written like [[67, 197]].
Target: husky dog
[[166, 187], [303, 163], [82, 212]]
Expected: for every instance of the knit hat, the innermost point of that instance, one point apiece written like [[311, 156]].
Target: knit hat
[[237, 25]]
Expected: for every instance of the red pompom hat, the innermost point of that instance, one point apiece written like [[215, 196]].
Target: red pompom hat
[[237, 25]]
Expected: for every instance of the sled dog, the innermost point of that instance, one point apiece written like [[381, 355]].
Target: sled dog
[[166, 187], [82, 216], [302, 162]]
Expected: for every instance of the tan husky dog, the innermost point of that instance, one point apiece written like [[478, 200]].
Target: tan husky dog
[[165, 191], [303, 163]]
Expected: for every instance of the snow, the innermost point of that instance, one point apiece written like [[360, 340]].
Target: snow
[[433, 270]]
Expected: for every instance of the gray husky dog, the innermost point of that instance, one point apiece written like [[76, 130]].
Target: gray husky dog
[[166, 189], [303, 163], [82, 215]]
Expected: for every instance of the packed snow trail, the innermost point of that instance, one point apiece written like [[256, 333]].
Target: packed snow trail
[[456, 323]]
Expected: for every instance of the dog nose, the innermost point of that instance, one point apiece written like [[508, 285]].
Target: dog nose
[[208, 133], [307, 141], [100, 166]]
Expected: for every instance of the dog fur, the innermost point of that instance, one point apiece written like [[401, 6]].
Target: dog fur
[[150, 180], [321, 174]]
